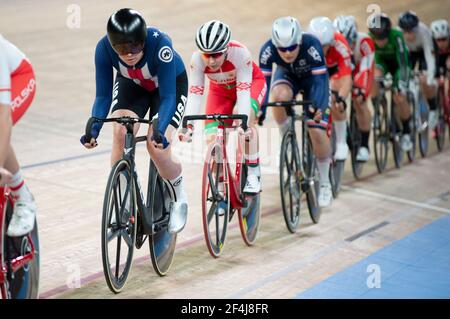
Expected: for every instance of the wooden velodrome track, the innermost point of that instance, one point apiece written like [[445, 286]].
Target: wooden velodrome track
[[68, 181]]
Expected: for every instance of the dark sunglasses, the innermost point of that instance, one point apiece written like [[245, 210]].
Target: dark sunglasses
[[289, 48], [441, 39], [127, 48], [212, 55]]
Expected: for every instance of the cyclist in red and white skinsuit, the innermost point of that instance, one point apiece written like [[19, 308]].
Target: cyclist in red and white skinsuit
[[339, 64], [363, 74], [17, 89], [234, 80]]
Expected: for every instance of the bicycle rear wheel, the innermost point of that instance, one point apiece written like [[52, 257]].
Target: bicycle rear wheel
[[336, 168], [118, 226], [250, 215], [381, 134], [290, 180], [215, 199], [24, 284], [356, 139], [162, 243], [439, 131]]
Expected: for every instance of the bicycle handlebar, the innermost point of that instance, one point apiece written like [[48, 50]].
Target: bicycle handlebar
[[290, 103], [217, 117], [124, 120]]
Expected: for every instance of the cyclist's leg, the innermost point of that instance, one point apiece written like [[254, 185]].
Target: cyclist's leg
[[320, 141], [428, 86], [129, 100], [257, 95], [283, 88], [23, 88], [401, 102], [363, 117], [168, 165], [340, 84]]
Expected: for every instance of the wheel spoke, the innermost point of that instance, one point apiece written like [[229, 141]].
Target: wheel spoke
[[212, 212], [112, 234], [126, 237]]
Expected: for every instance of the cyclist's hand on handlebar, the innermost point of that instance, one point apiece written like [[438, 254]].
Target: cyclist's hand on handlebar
[[261, 117], [317, 116], [248, 134], [5, 176], [185, 134], [159, 140], [91, 144], [91, 141]]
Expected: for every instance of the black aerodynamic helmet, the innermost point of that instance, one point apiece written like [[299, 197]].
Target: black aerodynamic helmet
[[127, 31], [380, 25]]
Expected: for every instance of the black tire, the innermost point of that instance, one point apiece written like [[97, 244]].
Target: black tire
[[250, 215], [424, 133], [355, 144], [290, 180], [439, 131], [381, 134], [162, 243], [310, 184], [123, 228], [25, 282]]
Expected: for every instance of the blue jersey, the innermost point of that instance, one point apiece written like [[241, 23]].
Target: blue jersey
[[309, 67], [157, 70]]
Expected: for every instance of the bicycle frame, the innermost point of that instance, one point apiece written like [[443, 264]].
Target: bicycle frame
[[9, 267], [237, 198]]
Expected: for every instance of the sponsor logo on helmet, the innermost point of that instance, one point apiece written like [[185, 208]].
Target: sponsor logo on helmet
[[165, 54]]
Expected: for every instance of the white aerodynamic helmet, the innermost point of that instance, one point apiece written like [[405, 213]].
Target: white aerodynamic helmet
[[440, 29], [286, 31], [323, 29], [213, 36], [347, 26]]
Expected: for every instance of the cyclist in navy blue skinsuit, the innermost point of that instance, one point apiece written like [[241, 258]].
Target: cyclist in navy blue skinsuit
[[150, 76], [300, 68]]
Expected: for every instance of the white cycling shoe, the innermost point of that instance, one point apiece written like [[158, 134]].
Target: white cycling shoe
[[341, 153], [406, 143], [178, 214], [363, 154], [325, 195], [253, 185], [23, 218]]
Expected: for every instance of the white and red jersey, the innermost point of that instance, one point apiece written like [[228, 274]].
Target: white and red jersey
[[234, 78], [339, 57], [364, 58], [11, 59]]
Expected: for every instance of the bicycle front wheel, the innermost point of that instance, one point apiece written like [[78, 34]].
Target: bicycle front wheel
[[118, 226], [311, 184], [290, 180], [423, 129], [162, 243], [381, 134], [215, 200]]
